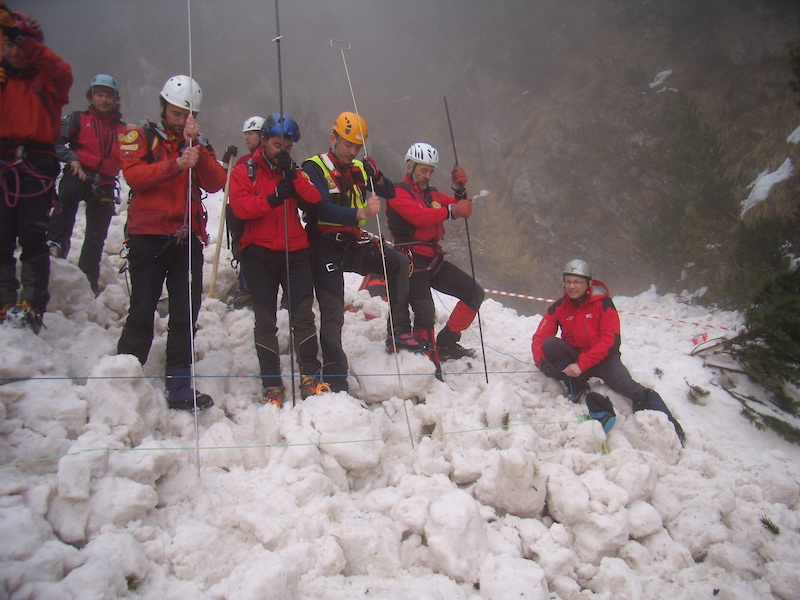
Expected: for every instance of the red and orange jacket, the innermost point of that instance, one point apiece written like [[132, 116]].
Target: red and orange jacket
[[92, 139], [264, 225], [591, 326], [419, 216], [158, 205], [31, 101]]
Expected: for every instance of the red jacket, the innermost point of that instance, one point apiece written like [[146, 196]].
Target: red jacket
[[415, 215], [31, 101], [92, 139], [264, 225], [591, 326], [158, 205]]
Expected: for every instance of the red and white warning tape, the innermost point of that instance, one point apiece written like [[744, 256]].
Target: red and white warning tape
[[698, 338]]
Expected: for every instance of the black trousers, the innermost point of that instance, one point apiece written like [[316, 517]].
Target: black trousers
[[154, 259], [266, 270], [559, 354], [25, 202], [100, 210], [448, 279], [331, 259]]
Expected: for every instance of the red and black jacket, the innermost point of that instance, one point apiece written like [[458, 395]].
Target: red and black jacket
[[415, 215], [92, 139], [32, 99], [591, 326], [158, 205], [264, 225]]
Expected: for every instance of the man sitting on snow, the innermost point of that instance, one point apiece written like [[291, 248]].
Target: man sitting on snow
[[589, 343]]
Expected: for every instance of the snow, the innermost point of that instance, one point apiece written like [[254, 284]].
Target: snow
[[764, 182], [506, 491], [794, 137]]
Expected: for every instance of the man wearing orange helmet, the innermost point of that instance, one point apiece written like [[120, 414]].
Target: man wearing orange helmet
[[339, 243], [34, 87]]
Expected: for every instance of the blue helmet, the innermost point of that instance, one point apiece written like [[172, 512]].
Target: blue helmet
[[105, 80], [273, 126]]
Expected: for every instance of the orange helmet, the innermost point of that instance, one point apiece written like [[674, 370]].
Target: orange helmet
[[351, 127]]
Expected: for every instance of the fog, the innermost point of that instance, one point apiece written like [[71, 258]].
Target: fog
[[549, 99]]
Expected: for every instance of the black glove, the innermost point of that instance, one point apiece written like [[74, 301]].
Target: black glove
[[371, 169], [284, 189], [15, 34], [283, 160], [274, 200], [230, 152]]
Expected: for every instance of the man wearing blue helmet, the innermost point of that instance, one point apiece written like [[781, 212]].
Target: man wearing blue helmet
[[90, 150], [266, 192]]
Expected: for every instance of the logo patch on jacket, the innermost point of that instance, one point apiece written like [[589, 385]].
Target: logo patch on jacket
[[131, 137]]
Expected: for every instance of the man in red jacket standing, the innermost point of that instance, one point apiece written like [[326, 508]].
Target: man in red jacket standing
[[589, 345], [167, 230], [34, 86], [416, 217], [266, 192], [89, 145]]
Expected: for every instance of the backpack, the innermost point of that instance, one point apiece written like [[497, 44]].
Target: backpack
[[234, 224]]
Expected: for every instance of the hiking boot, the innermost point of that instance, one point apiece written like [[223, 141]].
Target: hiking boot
[[23, 315], [311, 385], [56, 251], [601, 409], [576, 389], [241, 299], [274, 395], [405, 341], [180, 393], [201, 401], [454, 351]]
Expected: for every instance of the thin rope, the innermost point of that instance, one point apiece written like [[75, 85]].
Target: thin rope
[[341, 47], [189, 241], [504, 426], [288, 289]]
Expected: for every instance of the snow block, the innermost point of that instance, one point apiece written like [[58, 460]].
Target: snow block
[[510, 483], [617, 579], [510, 578], [567, 497], [456, 536], [340, 418], [126, 403]]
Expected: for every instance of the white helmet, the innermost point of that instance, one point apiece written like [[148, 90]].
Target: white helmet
[[182, 91], [578, 267], [423, 153], [253, 124]]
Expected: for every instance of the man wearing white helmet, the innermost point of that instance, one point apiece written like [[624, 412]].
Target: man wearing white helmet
[[589, 345], [252, 136], [157, 161], [416, 217], [89, 145]]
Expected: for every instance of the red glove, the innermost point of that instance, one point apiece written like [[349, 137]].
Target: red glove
[[461, 209], [459, 178]]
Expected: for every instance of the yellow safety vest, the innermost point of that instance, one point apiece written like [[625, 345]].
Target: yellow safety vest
[[352, 198]]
